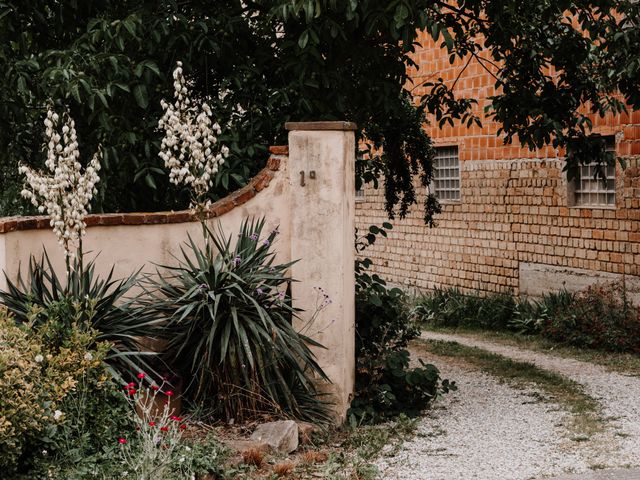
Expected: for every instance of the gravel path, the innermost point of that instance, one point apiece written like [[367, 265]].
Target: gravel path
[[488, 430]]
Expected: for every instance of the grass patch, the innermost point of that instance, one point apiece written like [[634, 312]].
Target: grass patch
[[624, 363], [585, 410], [362, 445]]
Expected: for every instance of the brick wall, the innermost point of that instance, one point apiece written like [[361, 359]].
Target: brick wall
[[514, 215]]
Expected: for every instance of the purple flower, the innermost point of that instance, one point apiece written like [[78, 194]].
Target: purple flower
[[203, 286], [254, 237], [266, 243], [275, 231], [281, 296], [259, 291], [237, 260]]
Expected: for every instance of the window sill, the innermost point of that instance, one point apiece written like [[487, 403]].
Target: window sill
[[594, 207]]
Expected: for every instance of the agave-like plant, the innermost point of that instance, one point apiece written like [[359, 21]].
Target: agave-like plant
[[229, 328], [88, 300]]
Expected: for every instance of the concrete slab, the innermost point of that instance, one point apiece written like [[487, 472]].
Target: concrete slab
[[625, 474]]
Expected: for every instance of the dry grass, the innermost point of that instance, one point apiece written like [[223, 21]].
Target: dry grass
[[311, 457], [283, 469], [253, 457]]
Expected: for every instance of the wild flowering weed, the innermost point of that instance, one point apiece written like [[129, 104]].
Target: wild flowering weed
[[151, 449]]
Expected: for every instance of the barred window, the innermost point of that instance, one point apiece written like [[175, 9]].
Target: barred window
[[592, 190], [446, 174]]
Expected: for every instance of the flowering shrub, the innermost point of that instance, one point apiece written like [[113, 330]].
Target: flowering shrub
[[37, 383], [81, 297], [148, 451], [229, 328], [66, 194], [189, 146], [154, 447]]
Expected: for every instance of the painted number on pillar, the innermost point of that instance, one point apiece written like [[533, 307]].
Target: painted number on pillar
[[312, 176]]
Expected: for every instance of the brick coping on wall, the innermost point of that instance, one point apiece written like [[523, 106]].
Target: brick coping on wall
[[219, 208]]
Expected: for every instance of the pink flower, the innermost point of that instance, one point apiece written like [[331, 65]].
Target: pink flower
[[169, 393], [141, 375], [132, 391], [122, 441]]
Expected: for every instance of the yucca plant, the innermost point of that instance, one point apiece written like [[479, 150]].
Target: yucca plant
[[229, 328], [87, 300]]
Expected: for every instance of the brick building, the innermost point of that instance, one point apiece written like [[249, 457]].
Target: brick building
[[510, 219]]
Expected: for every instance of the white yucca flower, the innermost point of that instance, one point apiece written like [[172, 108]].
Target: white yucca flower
[[190, 148], [66, 193]]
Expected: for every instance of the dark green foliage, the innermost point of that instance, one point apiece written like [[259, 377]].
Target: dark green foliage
[[228, 324], [530, 316], [451, 308], [110, 61], [600, 317], [385, 384], [42, 298]]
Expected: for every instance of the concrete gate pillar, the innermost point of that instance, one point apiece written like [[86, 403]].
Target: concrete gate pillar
[[321, 181]]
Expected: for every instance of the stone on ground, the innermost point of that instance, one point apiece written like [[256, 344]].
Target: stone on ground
[[282, 435]]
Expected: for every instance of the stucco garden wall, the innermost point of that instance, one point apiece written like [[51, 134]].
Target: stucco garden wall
[[142, 240], [316, 221]]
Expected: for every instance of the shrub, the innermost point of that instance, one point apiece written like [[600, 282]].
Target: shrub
[[56, 400], [84, 299], [449, 307], [600, 317], [385, 384], [531, 316], [229, 328]]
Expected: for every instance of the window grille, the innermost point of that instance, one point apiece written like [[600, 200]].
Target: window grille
[[591, 190], [446, 174]]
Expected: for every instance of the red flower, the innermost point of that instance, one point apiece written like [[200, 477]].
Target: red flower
[[129, 385], [177, 419], [168, 393], [141, 375], [132, 391], [152, 424], [122, 441], [183, 426], [155, 388], [164, 429]]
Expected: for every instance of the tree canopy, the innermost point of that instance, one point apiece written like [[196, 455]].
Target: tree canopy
[[265, 62]]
